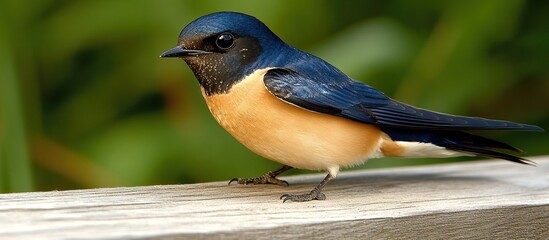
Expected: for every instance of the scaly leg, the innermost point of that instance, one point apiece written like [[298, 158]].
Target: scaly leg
[[315, 194], [267, 178]]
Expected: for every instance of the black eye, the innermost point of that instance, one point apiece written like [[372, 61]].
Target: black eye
[[224, 41]]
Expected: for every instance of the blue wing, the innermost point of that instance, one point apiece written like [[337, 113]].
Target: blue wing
[[357, 101]]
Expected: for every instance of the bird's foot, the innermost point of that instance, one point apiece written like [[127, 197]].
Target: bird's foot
[[264, 179], [267, 178], [313, 195]]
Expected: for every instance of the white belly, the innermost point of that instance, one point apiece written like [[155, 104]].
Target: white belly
[[288, 134]]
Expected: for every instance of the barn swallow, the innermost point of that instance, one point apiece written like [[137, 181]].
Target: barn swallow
[[296, 109]]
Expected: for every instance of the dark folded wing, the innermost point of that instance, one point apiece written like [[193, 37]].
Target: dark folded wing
[[360, 102]]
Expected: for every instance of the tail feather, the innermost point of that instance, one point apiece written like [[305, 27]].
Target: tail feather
[[471, 140], [487, 152], [470, 143], [461, 142]]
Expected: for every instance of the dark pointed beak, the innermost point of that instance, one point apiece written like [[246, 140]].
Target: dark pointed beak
[[179, 51]]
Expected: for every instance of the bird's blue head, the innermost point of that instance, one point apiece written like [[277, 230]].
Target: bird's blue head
[[221, 48]]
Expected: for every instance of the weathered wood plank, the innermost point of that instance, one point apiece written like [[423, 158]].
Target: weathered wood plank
[[479, 199]]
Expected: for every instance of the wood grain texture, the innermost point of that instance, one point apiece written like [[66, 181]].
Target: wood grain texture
[[484, 199]]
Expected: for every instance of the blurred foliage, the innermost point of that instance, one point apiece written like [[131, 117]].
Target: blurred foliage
[[85, 101]]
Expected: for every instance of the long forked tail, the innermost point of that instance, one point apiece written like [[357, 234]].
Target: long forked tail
[[460, 141], [469, 143]]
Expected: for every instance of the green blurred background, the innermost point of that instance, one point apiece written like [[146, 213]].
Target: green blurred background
[[86, 102]]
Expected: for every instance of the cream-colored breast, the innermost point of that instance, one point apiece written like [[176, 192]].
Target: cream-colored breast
[[288, 134]]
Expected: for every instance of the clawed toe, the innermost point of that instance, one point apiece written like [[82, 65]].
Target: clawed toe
[[235, 180], [314, 195], [279, 182], [270, 178], [265, 179]]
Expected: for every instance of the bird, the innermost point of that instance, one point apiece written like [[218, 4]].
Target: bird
[[294, 108]]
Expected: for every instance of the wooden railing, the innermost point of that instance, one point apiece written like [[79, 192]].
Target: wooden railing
[[491, 199]]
